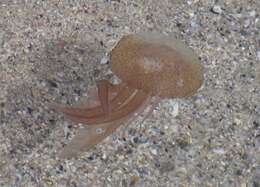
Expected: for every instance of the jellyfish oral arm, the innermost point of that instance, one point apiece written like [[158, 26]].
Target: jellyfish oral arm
[[128, 108], [126, 102], [103, 91]]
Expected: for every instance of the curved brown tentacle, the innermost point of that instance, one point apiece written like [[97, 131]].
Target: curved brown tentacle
[[135, 101], [89, 136], [123, 92], [103, 95]]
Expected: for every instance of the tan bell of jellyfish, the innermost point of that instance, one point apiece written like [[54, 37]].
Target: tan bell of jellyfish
[[149, 64]]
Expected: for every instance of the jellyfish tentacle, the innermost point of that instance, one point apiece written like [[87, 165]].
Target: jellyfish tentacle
[[124, 93], [87, 137], [137, 99], [103, 89]]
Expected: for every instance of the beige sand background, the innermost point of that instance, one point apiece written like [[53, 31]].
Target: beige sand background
[[52, 50]]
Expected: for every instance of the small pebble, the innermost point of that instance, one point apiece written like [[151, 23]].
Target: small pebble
[[216, 9], [220, 151], [258, 54], [104, 60], [174, 109], [154, 152], [252, 13]]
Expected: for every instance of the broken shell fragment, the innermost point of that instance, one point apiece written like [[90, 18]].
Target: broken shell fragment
[[157, 64]]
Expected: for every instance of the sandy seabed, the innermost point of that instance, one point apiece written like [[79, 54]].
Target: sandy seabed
[[52, 50]]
